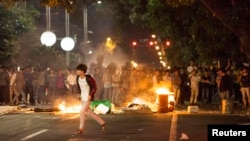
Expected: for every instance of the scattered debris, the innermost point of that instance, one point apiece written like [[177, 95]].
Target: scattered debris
[[184, 136]]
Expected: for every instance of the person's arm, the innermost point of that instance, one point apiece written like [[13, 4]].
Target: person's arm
[[92, 84]]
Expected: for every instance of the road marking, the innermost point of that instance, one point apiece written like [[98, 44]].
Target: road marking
[[32, 135], [173, 128]]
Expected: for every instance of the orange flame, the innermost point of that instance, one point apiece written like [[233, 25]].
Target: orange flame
[[163, 91], [69, 109]]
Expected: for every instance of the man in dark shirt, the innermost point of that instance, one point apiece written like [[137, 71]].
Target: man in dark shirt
[[224, 84]]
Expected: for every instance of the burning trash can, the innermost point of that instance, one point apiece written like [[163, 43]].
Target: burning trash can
[[165, 100], [162, 103]]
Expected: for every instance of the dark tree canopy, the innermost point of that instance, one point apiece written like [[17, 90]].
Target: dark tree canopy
[[197, 27]]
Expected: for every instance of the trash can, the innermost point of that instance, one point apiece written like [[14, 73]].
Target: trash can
[[95, 103], [162, 103], [227, 106]]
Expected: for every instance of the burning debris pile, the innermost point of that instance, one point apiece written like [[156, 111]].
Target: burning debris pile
[[163, 102]]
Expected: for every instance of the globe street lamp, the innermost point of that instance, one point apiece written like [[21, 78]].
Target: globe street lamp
[[67, 43], [48, 38]]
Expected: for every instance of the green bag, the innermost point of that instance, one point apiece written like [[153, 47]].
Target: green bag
[[95, 103]]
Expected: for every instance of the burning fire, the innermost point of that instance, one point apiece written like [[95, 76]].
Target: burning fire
[[68, 109], [164, 91], [154, 106]]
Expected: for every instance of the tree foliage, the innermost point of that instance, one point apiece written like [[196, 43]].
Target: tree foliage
[[194, 32], [13, 22], [203, 30]]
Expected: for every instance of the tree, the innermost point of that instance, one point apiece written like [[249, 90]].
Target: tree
[[13, 23], [202, 20], [235, 15], [194, 31]]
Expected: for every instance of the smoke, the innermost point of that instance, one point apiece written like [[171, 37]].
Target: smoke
[[111, 54]]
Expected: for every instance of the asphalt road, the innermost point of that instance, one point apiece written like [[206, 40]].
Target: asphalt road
[[133, 125]]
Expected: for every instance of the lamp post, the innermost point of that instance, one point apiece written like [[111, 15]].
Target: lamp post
[[67, 43], [85, 21], [48, 38]]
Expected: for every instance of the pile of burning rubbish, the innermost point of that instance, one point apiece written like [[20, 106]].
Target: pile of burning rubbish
[[164, 103]]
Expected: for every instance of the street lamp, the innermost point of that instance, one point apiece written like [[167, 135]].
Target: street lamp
[[85, 21], [67, 43], [48, 38]]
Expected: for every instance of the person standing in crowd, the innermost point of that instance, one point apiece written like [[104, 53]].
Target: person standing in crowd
[[167, 79], [28, 77], [18, 87], [12, 74], [133, 88], [41, 86], [125, 83], [4, 86], [156, 79], [205, 82], [176, 81], [213, 88], [71, 81], [107, 84], [224, 84], [194, 86], [87, 87], [229, 66], [185, 86], [60, 85], [245, 84], [191, 67], [115, 86], [98, 78], [51, 82]]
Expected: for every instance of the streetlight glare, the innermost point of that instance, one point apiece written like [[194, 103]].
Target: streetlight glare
[[48, 38], [99, 2], [67, 44], [108, 39]]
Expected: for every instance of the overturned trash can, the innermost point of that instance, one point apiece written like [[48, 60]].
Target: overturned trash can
[[162, 106], [227, 106]]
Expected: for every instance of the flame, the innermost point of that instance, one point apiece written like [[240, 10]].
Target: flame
[[69, 109], [139, 101], [162, 90]]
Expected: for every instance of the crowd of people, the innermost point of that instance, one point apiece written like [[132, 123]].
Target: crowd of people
[[121, 84]]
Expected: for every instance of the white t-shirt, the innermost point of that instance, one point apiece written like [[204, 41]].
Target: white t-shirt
[[84, 88], [71, 79]]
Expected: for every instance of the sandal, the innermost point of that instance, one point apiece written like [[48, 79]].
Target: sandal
[[78, 131]]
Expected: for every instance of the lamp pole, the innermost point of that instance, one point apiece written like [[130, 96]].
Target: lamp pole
[[85, 24], [67, 42], [48, 38], [48, 18], [67, 35]]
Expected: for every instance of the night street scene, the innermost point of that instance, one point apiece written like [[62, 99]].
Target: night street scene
[[124, 70]]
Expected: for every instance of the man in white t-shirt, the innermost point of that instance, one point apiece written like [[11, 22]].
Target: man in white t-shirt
[[87, 87], [71, 81]]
